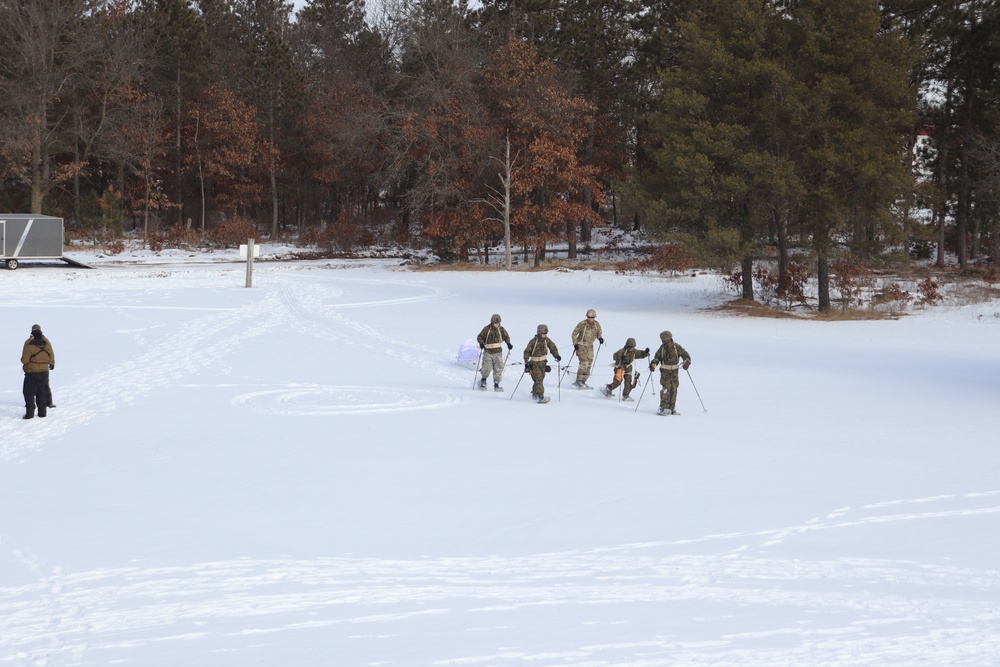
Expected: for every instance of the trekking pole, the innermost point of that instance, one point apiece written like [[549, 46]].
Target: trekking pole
[[563, 374], [478, 361], [517, 385], [643, 392], [596, 354], [696, 390]]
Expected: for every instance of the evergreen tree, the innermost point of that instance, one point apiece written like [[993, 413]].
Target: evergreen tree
[[853, 89], [723, 164], [273, 82], [181, 65]]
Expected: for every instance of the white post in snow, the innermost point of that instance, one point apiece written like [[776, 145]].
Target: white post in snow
[[249, 249]]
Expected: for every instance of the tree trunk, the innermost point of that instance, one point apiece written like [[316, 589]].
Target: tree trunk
[[962, 209], [823, 279], [571, 239], [746, 269], [36, 162], [177, 151], [272, 168]]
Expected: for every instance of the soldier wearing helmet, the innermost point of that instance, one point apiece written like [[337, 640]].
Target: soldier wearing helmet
[[491, 341], [623, 370], [669, 357], [536, 356], [584, 335]]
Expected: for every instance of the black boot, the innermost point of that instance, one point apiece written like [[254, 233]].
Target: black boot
[[29, 413]]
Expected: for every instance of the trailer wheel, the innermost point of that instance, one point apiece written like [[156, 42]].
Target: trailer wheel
[[11, 264]]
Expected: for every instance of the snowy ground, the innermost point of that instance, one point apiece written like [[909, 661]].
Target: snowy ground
[[300, 474]]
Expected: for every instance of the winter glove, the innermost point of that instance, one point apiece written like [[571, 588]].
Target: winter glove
[[558, 358], [482, 347], [686, 365], [647, 351], [510, 346], [576, 346], [527, 366], [652, 367], [601, 341], [52, 367]]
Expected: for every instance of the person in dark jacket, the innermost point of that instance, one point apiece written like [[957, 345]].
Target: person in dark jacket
[[36, 327], [37, 359]]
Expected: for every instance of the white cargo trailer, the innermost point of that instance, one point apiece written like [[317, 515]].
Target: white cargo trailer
[[25, 236]]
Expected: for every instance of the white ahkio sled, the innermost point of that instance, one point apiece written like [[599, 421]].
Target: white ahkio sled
[[31, 237]]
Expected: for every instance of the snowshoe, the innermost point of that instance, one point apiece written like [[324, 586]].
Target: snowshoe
[[497, 387], [482, 384], [543, 399], [627, 399], [606, 391]]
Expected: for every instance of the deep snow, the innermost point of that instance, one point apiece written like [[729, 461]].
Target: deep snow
[[301, 474]]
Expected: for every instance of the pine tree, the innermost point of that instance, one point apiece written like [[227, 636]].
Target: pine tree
[[854, 93]]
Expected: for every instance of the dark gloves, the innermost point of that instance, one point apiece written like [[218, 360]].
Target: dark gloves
[[510, 346], [601, 341], [482, 347], [686, 364], [652, 367], [558, 358], [647, 351], [576, 346], [52, 367], [527, 366]]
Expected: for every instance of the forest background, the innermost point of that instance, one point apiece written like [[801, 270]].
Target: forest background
[[782, 141]]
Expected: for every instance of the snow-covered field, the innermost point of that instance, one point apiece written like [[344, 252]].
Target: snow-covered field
[[301, 474]]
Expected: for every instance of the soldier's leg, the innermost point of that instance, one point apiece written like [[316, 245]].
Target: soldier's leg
[[664, 391], [627, 379], [585, 355], [538, 376], [671, 389], [497, 368], [487, 366]]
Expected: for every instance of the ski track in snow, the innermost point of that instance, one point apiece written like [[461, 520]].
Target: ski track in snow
[[642, 595], [213, 334], [943, 614]]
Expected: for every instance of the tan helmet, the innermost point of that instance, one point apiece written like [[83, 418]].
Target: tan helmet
[[591, 313], [543, 329], [630, 342], [495, 318], [665, 336]]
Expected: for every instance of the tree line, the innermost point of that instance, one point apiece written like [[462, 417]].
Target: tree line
[[736, 127]]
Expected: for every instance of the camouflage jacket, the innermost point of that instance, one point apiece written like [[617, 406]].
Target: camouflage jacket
[[625, 356], [586, 333], [492, 338], [669, 356], [538, 349]]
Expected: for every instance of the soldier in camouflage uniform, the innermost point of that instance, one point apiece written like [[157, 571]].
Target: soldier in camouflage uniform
[[623, 369], [536, 354], [669, 358], [491, 340], [584, 335]]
